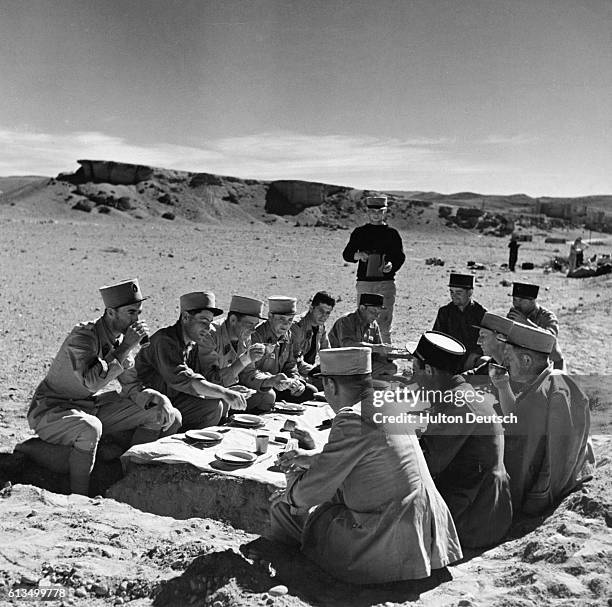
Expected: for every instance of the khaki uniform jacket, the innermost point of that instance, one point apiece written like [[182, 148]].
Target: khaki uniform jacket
[[466, 460], [169, 365], [84, 365], [380, 517], [217, 353], [301, 334], [282, 359], [548, 446], [349, 331]]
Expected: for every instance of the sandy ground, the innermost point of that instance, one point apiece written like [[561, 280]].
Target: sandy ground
[[53, 260]]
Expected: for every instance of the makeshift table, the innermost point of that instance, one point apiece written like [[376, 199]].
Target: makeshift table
[[174, 477]]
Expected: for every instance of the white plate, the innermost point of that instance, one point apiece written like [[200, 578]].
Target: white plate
[[247, 419], [289, 407], [236, 457], [204, 435]]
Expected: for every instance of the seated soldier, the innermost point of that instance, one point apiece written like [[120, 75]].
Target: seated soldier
[[171, 366], [527, 311], [69, 407], [489, 328], [227, 354], [548, 453], [309, 336], [459, 317], [465, 455], [278, 364], [360, 329], [365, 508]]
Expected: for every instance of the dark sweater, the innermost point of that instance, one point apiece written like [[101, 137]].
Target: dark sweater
[[379, 239]]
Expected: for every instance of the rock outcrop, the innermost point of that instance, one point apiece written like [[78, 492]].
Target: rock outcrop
[[291, 197], [117, 173]]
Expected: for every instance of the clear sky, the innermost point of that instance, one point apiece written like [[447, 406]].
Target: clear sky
[[493, 96]]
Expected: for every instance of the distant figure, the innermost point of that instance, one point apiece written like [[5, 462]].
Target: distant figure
[[548, 446], [461, 317], [576, 256], [379, 251], [513, 245]]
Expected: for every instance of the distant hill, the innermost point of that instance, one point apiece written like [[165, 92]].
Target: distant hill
[[102, 186]]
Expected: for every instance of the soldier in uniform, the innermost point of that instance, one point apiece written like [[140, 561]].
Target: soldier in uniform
[[460, 317], [279, 363], [171, 366], [360, 329], [309, 336], [379, 251], [69, 406], [365, 508], [527, 311], [548, 452], [228, 356]]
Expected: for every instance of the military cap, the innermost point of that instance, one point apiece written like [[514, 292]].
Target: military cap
[[376, 202], [440, 351], [345, 361], [464, 281], [122, 294], [372, 299], [199, 301], [247, 306], [525, 290], [282, 305], [494, 322], [532, 338]]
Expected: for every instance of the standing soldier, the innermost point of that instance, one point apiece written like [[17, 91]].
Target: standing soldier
[[379, 250]]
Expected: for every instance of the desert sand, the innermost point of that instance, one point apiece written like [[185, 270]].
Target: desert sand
[[53, 260]]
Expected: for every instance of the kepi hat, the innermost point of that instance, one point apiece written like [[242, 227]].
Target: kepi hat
[[494, 322], [463, 281], [247, 306], [122, 294], [345, 361], [372, 299], [376, 202], [282, 305], [525, 290], [531, 338], [199, 300], [440, 351]]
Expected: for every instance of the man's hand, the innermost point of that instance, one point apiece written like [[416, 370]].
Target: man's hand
[[279, 382], [163, 405], [517, 316], [235, 400], [256, 352], [294, 460], [360, 256], [296, 387], [387, 267], [135, 332], [304, 438], [381, 349]]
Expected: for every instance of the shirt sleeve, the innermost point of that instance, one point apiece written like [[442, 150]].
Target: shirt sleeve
[[395, 253], [340, 455], [352, 247], [92, 371], [439, 323], [548, 321], [346, 337], [210, 362]]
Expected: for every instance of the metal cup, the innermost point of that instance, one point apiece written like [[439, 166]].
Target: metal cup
[[261, 443]]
